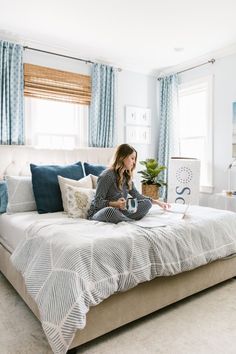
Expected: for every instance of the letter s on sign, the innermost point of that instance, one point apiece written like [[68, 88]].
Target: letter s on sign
[[180, 198], [187, 189], [183, 190]]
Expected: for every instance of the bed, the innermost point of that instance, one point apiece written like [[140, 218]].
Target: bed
[[163, 287]]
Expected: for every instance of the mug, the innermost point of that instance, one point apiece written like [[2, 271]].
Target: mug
[[132, 205]]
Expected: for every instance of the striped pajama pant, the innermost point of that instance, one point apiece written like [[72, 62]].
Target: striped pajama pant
[[114, 215]]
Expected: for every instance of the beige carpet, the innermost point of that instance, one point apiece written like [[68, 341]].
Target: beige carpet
[[204, 323]]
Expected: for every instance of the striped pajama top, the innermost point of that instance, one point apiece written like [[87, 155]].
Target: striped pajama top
[[108, 190]]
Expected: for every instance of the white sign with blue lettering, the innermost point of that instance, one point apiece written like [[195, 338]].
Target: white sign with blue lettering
[[184, 180]]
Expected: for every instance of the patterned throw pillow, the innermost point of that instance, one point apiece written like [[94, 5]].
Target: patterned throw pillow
[[78, 201], [85, 182]]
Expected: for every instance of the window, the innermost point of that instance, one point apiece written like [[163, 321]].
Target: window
[[56, 107], [195, 126], [54, 124]]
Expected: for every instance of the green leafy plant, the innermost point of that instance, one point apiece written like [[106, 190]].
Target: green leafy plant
[[151, 173]]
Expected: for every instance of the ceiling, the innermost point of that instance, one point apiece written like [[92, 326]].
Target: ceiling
[[137, 35]]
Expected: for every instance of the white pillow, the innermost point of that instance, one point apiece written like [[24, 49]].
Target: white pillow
[[20, 194], [94, 181], [78, 201], [85, 182]]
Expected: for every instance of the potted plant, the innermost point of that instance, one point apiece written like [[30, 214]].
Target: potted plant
[[150, 178]]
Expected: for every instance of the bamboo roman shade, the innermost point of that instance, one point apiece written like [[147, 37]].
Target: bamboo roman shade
[[47, 83]]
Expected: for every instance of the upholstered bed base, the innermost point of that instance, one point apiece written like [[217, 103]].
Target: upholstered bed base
[[144, 299]]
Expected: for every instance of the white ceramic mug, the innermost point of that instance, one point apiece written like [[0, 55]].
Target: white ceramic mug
[[132, 205]]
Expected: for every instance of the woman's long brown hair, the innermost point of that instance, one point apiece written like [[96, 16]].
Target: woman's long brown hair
[[121, 153]]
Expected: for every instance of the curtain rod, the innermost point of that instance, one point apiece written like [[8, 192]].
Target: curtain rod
[[59, 55], [64, 56], [193, 67]]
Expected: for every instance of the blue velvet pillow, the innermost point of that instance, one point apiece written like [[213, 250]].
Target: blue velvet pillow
[[93, 169], [46, 187], [3, 196]]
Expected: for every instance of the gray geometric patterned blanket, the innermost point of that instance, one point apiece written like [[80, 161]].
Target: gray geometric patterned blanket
[[70, 265]]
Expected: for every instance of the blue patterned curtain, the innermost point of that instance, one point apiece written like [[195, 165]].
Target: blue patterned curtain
[[168, 123], [102, 109], [11, 94]]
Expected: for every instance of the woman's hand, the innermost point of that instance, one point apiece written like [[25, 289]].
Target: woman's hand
[[120, 204], [163, 205]]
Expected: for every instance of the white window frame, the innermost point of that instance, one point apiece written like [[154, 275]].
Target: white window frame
[[209, 134], [81, 135]]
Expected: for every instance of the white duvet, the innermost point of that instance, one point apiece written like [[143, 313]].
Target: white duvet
[[70, 265]]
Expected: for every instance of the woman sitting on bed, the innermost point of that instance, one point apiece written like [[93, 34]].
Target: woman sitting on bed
[[113, 187]]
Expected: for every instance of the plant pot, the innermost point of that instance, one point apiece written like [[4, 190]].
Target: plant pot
[[150, 190]]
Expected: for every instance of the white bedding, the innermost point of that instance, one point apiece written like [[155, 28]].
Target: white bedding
[[70, 265], [13, 226]]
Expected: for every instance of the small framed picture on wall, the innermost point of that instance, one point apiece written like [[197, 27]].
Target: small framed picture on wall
[[138, 135], [138, 116], [138, 125]]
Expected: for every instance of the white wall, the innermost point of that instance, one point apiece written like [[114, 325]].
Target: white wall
[[224, 94], [139, 90]]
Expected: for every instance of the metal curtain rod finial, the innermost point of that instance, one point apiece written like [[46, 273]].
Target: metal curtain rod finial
[[211, 61]]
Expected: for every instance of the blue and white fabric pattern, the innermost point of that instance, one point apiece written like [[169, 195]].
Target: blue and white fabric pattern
[[168, 121], [115, 215], [102, 109], [11, 94]]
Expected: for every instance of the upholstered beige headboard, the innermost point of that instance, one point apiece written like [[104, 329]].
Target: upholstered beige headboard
[[15, 160]]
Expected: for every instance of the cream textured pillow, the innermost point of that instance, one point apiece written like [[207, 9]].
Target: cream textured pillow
[[85, 182], [94, 181], [78, 201]]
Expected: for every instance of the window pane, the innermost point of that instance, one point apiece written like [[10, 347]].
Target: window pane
[[53, 116], [54, 124], [193, 113], [43, 140], [195, 124], [69, 142]]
